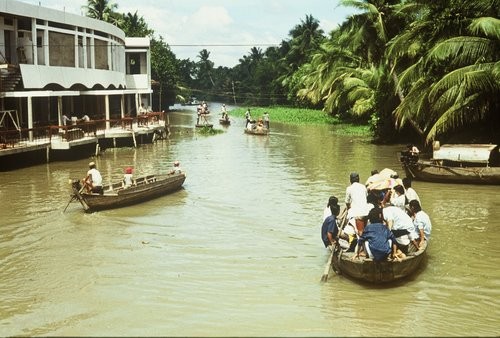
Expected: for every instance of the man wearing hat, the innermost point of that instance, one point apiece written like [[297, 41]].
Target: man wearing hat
[[93, 181]]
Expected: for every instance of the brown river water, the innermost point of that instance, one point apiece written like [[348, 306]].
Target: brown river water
[[237, 251]]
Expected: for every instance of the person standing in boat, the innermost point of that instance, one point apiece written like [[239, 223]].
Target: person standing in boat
[[355, 201], [421, 221], [224, 112], [266, 120], [93, 180], [329, 229], [248, 117], [376, 240]]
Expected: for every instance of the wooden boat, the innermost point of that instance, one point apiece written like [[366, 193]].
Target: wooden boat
[[368, 270], [257, 131], [456, 163], [225, 122], [116, 196], [204, 125]]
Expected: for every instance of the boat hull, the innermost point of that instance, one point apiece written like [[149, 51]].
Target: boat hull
[[367, 270], [427, 171], [146, 189], [262, 132]]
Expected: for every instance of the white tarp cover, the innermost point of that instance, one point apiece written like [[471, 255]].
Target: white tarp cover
[[479, 153]]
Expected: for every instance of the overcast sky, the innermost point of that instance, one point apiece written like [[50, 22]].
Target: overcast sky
[[238, 25]]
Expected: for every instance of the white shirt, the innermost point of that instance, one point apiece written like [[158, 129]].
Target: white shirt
[[401, 220], [398, 200], [411, 195], [422, 221], [355, 195], [95, 176], [127, 180]]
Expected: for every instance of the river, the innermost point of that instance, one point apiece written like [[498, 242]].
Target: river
[[237, 251]]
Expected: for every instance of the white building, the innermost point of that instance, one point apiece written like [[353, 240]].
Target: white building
[[54, 63]]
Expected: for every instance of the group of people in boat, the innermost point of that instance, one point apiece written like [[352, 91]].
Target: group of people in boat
[[202, 112], [260, 125], [383, 218], [92, 183]]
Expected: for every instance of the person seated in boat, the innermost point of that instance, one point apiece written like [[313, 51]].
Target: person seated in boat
[[421, 221], [401, 224], [410, 193], [93, 180], [204, 106], [377, 240], [396, 197], [329, 228], [176, 169], [259, 126], [128, 179], [355, 201]]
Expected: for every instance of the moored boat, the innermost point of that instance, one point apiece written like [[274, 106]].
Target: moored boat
[[456, 163], [115, 195]]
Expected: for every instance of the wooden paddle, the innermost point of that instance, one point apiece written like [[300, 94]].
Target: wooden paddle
[[74, 196], [326, 271]]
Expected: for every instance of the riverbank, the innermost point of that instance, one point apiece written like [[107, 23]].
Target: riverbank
[[302, 116]]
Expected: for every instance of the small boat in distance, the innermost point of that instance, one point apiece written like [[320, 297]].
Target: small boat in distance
[[115, 195], [456, 163], [191, 102]]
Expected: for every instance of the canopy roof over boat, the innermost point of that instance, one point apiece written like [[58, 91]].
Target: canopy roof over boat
[[477, 153]]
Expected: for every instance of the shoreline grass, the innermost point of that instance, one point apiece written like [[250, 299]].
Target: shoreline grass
[[304, 116]]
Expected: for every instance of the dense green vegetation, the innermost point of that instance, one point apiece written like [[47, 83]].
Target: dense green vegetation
[[412, 69]]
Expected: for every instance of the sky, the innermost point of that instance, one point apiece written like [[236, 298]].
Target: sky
[[228, 29]]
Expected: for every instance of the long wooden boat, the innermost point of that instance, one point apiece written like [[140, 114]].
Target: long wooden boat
[[457, 163], [116, 196], [367, 270]]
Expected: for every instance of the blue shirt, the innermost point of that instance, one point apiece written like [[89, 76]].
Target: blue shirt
[[329, 225], [377, 235]]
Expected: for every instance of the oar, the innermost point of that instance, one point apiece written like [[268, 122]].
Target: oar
[[71, 200], [74, 196], [326, 271]]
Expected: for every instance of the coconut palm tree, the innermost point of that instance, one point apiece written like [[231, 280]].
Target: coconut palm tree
[[104, 10], [452, 74]]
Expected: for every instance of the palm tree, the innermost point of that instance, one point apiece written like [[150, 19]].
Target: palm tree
[[135, 26], [454, 79], [102, 10]]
